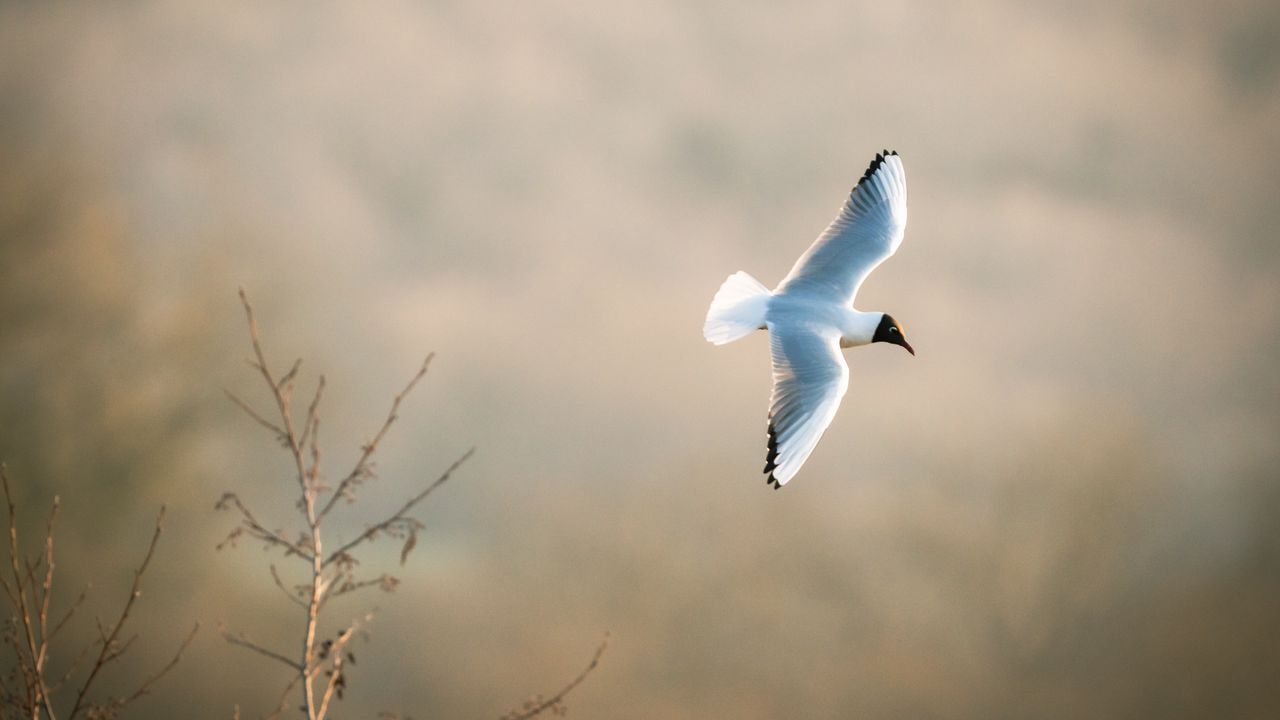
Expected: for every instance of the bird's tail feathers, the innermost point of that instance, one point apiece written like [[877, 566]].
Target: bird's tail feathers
[[737, 310]]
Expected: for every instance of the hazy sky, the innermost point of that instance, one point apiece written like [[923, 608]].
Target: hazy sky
[[1065, 506]]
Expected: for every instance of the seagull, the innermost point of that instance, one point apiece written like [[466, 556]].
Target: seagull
[[810, 315]]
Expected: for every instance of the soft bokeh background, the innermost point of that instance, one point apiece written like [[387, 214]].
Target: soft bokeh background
[[1067, 506]]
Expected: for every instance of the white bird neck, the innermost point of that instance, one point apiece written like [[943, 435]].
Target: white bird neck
[[858, 328]]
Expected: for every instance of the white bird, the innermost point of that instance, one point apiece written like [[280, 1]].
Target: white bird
[[810, 315]]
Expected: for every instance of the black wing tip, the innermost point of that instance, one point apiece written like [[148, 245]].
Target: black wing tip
[[770, 457], [876, 162]]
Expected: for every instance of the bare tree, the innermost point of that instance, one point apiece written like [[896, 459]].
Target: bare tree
[[319, 667], [28, 691]]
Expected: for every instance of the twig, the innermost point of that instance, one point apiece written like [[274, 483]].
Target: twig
[[285, 384], [118, 650], [313, 416], [146, 685], [282, 400], [66, 616], [107, 654], [246, 643], [32, 697], [284, 698], [337, 651], [71, 669], [399, 515], [256, 529], [36, 681], [8, 591], [275, 575], [46, 587], [385, 582], [555, 700], [253, 414], [362, 465]]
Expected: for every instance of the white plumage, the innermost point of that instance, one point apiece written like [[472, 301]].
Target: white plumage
[[810, 315]]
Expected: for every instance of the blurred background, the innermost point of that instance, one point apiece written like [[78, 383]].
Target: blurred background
[[1068, 505]]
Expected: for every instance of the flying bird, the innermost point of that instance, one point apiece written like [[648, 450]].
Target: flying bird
[[810, 315]]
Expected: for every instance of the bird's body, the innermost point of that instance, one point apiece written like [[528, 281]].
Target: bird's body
[[853, 327], [810, 315]]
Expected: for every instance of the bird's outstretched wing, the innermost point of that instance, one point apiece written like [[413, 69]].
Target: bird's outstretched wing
[[867, 231], [809, 378]]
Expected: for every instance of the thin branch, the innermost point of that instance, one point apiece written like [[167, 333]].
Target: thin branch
[[386, 583], [8, 591], [29, 685], [46, 587], [106, 654], [146, 686], [8, 698], [313, 474], [399, 516], [284, 698], [67, 616], [282, 401], [36, 681], [275, 575], [30, 701], [256, 529], [275, 430], [244, 642], [75, 664], [313, 608], [312, 414], [555, 700], [336, 682], [34, 586], [285, 384], [120, 649], [362, 465]]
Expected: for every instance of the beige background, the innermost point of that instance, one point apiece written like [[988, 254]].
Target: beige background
[[1065, 507]]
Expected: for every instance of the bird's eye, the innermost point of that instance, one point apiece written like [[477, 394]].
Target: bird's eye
[[893, 329]]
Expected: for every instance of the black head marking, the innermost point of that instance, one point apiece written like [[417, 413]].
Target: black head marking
[[889, 331], [887, 328]]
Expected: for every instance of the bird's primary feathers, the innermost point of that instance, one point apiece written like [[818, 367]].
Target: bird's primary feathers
[[810, 315]]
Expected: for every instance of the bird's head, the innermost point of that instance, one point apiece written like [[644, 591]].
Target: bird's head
[[891, 332]]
